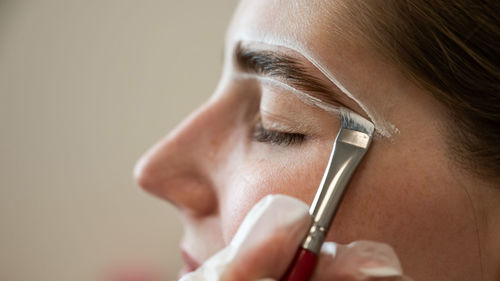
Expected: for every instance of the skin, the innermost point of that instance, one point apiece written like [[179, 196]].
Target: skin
[[407, 192]]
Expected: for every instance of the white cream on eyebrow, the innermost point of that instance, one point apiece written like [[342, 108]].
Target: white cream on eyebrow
[[382, 127]]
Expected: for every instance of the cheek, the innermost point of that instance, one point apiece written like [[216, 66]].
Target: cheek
[[396, 194], [296, 174], [414, 205]]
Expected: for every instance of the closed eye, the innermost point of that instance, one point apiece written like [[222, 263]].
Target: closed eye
[[264, 135]]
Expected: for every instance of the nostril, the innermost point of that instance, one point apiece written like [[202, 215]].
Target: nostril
[[194, 197]]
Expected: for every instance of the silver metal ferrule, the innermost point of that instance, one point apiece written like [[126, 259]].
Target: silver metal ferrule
[[348, 149]]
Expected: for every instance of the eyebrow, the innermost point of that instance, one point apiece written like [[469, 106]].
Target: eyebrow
[[290, 69]]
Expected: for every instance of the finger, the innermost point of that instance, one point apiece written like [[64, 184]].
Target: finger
[[358, 261], [267, 242]]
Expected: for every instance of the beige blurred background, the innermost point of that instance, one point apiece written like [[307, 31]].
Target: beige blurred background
[[85, 88]]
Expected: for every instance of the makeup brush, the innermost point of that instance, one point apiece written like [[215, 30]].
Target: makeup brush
[[351, 144]]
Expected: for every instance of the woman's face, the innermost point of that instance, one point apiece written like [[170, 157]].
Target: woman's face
[[264, 131]]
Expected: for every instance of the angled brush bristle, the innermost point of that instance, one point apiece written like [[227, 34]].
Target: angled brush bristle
[[353, 121]]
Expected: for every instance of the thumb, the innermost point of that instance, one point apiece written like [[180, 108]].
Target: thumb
[[268, 238], [358, 261]]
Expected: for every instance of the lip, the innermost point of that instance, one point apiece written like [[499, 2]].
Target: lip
[[191, 264]]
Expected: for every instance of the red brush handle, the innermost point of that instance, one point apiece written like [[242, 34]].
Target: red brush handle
[[302, 266]]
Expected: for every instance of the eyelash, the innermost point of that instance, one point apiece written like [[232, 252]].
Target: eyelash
[[261, 134]]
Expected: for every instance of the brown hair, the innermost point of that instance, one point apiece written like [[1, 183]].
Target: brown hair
[[451, 49]]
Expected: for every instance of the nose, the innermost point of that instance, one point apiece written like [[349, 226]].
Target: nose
[[179, 167]]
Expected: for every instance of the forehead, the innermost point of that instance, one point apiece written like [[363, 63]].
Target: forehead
[[301, 24]]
